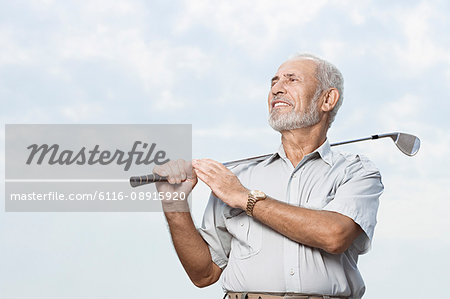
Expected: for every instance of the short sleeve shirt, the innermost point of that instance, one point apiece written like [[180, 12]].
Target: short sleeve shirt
[[255, 258]]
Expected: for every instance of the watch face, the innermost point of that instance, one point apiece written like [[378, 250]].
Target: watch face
[[258, 194]]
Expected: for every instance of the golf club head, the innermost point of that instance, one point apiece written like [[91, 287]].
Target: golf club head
[[407, 143]]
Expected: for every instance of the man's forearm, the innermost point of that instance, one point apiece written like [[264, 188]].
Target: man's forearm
[[192, 250], [327, 230]]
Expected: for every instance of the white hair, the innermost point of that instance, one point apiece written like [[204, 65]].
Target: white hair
[[328, 76]]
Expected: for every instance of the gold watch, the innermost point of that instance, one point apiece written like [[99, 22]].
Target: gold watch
[[253, 197]]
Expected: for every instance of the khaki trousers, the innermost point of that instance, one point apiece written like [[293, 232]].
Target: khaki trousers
[[231, 295]]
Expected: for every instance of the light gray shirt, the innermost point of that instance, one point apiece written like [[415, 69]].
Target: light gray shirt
[[255, 258]]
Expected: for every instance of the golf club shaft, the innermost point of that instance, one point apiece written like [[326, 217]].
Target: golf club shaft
[[136, 181], [362, 139]]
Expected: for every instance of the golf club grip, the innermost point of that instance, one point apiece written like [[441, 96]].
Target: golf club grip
[[136, 181]]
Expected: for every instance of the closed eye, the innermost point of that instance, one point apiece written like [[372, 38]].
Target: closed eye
[[291, 77], [274, 81], [288, 77]]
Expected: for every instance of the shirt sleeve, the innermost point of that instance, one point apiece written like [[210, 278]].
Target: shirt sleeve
[[358, 198], [214, 232]]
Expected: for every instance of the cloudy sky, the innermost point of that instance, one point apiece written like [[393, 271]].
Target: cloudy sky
[[208, 63]]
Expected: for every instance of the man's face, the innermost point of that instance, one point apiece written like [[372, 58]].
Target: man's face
[[291, 96]]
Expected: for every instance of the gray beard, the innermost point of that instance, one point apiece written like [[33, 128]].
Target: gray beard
[[292, 120]]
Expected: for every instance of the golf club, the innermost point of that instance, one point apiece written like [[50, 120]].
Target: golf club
[[406, 143]]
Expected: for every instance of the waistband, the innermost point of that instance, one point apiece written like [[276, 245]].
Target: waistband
[[233, 295]]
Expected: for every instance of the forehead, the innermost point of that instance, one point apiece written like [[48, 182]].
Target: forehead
[[302, 67]]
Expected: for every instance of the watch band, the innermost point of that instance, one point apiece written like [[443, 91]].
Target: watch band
[[253, 197]]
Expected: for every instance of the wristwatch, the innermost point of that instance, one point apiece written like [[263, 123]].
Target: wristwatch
[[253, 197]]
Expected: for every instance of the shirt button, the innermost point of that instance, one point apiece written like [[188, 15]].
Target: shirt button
[[242, 224], [292, 272]]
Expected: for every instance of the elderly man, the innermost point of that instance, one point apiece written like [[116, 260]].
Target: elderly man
[[293, 225]]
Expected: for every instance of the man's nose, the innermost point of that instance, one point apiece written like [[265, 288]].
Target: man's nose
[[278, 88]]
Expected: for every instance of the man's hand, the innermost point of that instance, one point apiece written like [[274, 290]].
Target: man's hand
[[223, 183], [180, 179]]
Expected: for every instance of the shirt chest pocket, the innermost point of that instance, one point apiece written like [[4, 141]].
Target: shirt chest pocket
[[246, 232], [318, 202]]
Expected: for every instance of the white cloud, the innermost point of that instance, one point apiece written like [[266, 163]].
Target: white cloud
[[82, 112], [420, 45], [403, 112], [415, 209], [356, 13], [420, 51], [333, 49], [11, 52], [232, 131], [254, 25], [31, 115], [154, 63], [166, 101]]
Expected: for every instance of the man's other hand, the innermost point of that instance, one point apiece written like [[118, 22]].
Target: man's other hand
[[223, 183]]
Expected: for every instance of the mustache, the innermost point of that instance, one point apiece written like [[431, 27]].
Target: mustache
[[281, 98]]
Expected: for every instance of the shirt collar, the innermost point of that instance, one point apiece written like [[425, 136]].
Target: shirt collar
[[324, 152], [273, 156]]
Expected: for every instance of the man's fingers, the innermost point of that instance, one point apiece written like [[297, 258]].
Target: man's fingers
[[206, 167], [169, 175], [182, 166], [204, 177], [214, 165], [174, 171], [190, 173], [161, 170]]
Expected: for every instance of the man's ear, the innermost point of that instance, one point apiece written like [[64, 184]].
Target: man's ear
[[330, 100]]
